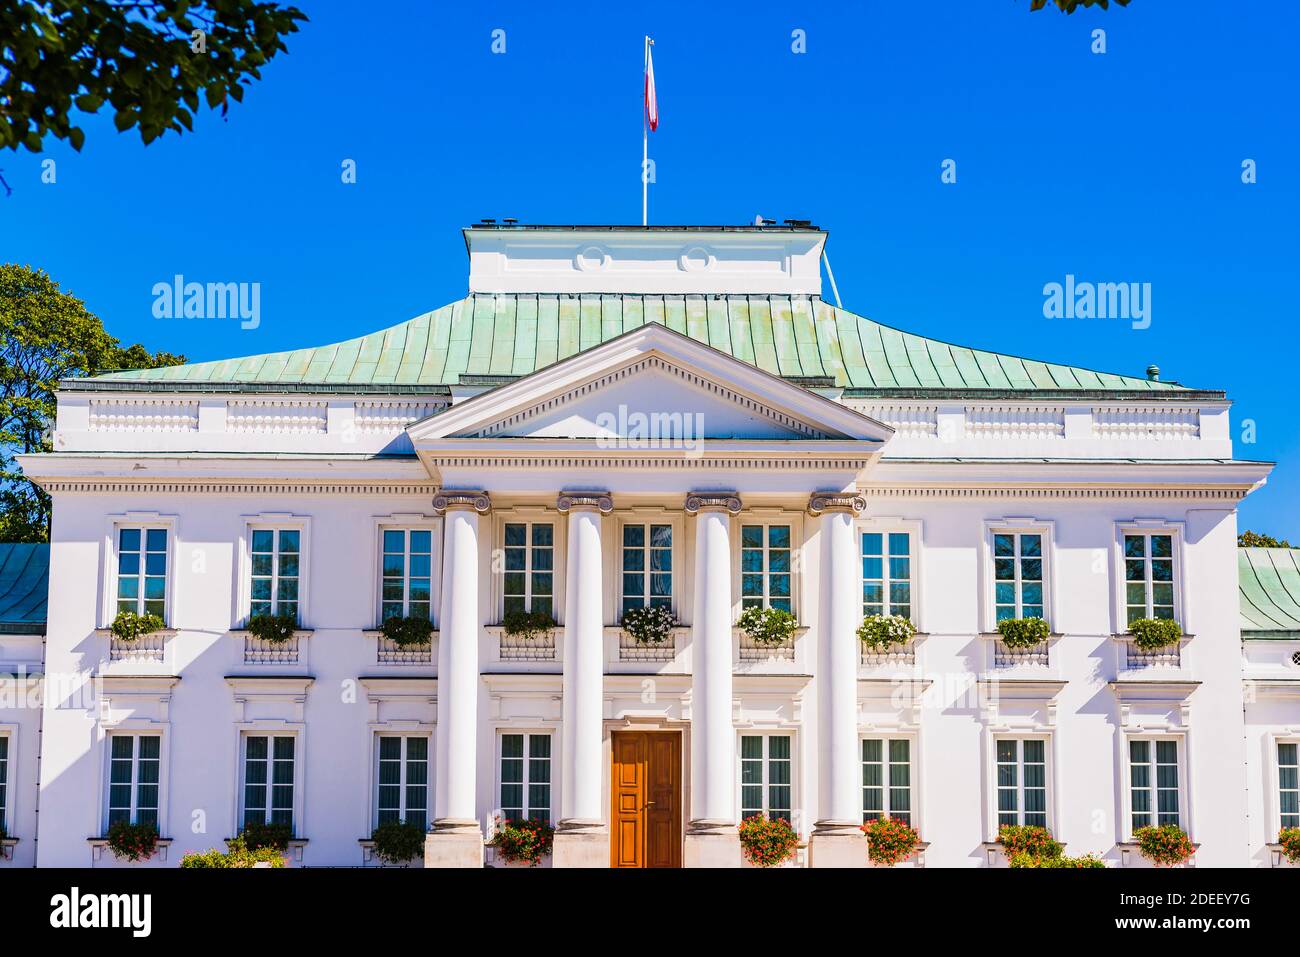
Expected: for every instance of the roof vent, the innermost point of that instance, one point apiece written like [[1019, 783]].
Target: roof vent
[[488, 222], [1153, 373], [510, 221], [760, 221], [798, 223]]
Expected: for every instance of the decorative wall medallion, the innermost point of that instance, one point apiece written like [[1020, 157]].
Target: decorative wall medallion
[[696, 259], [453, 498], [699, 501], [836, 502], [591, 258], [601, 501]]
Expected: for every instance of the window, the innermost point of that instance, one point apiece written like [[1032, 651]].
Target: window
[[1153, 782], [1017, 575], [887, 779], [268, 779], [276, 571], [1148, 576], [133, 776], [886, 574], [529, 583], [1022, 781], [408, 571], [647, 566], [1288, 782], [765, 776], [142, 570], [765, 566], [403, 780], [526, 777], [4, 783]]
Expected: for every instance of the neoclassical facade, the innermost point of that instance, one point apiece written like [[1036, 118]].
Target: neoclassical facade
[[674, 417]]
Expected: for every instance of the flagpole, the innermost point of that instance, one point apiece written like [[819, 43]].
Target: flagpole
[[645, 139]]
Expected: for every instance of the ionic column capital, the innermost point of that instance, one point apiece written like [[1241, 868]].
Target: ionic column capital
[[451, 499], [584, 501], [849, 502], [711, 501]]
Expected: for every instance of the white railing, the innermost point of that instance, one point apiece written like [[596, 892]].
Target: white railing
[[751, 650], [897, 656], [391, 653], [519, 648], [629, 649], [148, 647], [259, 651], [1034, 656], [1136, 658]]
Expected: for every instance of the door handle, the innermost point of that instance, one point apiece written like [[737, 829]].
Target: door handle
[[649, 803]]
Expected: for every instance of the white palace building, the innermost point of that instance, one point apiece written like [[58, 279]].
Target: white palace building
[[616, 416]]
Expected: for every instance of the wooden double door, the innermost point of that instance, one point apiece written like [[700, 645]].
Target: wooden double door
[[646, 791]]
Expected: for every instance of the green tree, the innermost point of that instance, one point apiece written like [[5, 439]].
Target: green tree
[[45, 335], [144, 59], [1249, 539], [1069, 6]]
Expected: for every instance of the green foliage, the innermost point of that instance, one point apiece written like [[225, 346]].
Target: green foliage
[[882, 632], [257, 835], [1028, 840], [409, 631], [889, 841], [1249, 539], [134, 58], [132, 842], [1023, 632], [767, 626], [128, 626], [1061, 861], [524, 842], [767, 842], [238, 855], [527, 624], [1165, 845], [397, 842], [1289, 838], [649, 625], [1069, 6], [45, 335], [277, 629], [1152, 634]]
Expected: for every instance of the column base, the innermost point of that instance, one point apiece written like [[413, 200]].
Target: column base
[[712, 844], [580, 844], [837, 845], [454, 843]]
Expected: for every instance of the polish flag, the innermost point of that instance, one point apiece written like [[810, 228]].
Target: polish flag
[[651, 101]]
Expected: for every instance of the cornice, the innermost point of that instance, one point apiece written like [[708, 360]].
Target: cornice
[[994, 490], [237, 487]]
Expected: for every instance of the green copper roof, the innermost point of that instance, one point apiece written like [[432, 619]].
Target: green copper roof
[[1270, 591], [515, 334], [24, 587]]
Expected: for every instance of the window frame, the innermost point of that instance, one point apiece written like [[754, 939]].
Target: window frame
[[1049, 792], [1179, 740], [767, 517], [408, 524], [112, 539], [529, 515], [988, 572], [887, 737], [674, 550], [1275, 760], [766, 734], [135, 733], [275, 521], [270, 733], [526, 783], [1148, 573], [1119, 597], [276, 553], [405, 737], [7, 765]]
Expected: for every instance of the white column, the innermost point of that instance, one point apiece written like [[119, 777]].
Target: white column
[[456, 839], [712, 839], [836, 840], [581, 839]]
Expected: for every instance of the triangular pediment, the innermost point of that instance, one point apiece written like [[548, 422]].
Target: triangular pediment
[[651, 383]]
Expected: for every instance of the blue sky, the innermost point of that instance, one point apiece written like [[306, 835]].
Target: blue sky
[[1124, 166]]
